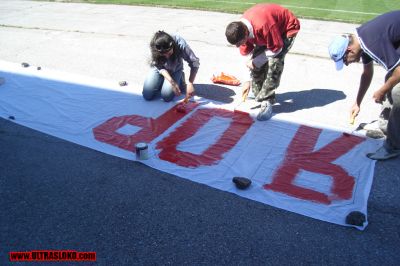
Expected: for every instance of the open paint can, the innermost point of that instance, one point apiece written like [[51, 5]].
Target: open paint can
[[142, 152]]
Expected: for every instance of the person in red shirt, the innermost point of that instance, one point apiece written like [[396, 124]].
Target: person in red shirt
[[266, 32]]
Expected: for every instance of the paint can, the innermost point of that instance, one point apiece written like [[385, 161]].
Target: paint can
[[142, 152]]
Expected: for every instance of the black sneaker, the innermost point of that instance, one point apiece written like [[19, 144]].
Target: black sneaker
[[383, 154]]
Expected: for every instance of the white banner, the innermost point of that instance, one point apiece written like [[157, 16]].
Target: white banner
[[318, 172]]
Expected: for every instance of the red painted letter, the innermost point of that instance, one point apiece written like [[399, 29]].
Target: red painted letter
[[151, 128], [240, 123], [300, 155]]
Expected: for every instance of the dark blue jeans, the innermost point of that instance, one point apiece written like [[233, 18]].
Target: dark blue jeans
[[393, 126], [155, 84]]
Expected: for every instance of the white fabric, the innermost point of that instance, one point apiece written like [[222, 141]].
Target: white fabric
[[70, 106]]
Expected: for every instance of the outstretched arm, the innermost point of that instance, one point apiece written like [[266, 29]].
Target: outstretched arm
[[392, 81], [365, 81], [190, 88], [174, 85]]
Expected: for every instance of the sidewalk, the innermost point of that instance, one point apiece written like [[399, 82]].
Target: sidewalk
[[109, 29], [110, 42]]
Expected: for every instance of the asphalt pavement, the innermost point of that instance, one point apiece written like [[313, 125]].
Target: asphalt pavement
[[58, 195]]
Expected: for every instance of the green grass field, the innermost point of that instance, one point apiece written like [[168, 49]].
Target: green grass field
[[355, 11]]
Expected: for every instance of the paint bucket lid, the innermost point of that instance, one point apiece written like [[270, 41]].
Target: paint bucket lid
[[141, 146]]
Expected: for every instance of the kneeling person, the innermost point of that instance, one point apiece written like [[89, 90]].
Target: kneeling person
[[166, 76]]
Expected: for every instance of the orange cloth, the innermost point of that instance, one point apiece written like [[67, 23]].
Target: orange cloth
[[225, 79]]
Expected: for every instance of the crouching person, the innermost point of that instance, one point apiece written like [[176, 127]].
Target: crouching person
[[377, 40], [166, 77]]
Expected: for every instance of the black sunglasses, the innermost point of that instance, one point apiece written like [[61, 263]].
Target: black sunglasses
[[165, 47]]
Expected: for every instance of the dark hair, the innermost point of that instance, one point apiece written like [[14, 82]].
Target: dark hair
[[235, 32], [161, 43]]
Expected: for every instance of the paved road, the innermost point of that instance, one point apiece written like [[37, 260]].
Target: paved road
[[58, 195]]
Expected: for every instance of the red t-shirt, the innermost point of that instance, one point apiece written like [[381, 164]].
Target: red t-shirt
[[270, 23]]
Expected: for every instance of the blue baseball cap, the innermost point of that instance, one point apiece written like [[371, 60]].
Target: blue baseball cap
[[337, 49]]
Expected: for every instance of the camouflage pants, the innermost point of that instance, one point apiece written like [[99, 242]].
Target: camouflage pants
[[265, 80]]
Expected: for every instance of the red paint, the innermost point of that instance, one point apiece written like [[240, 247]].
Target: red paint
[[151, 128], [240, 123], [180, 108], [300, 155]]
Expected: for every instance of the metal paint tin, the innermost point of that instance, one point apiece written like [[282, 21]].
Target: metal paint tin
[[142, 152]]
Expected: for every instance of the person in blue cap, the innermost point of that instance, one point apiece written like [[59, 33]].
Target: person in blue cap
[[377, 40]]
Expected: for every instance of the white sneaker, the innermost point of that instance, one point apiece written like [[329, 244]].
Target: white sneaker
[[375, 134], [265, 111], [251, 95]]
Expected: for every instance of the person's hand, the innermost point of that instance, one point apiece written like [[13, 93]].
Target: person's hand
[[378, 96], [189, 91], [250, 64], [175, 88], [354, 112]]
